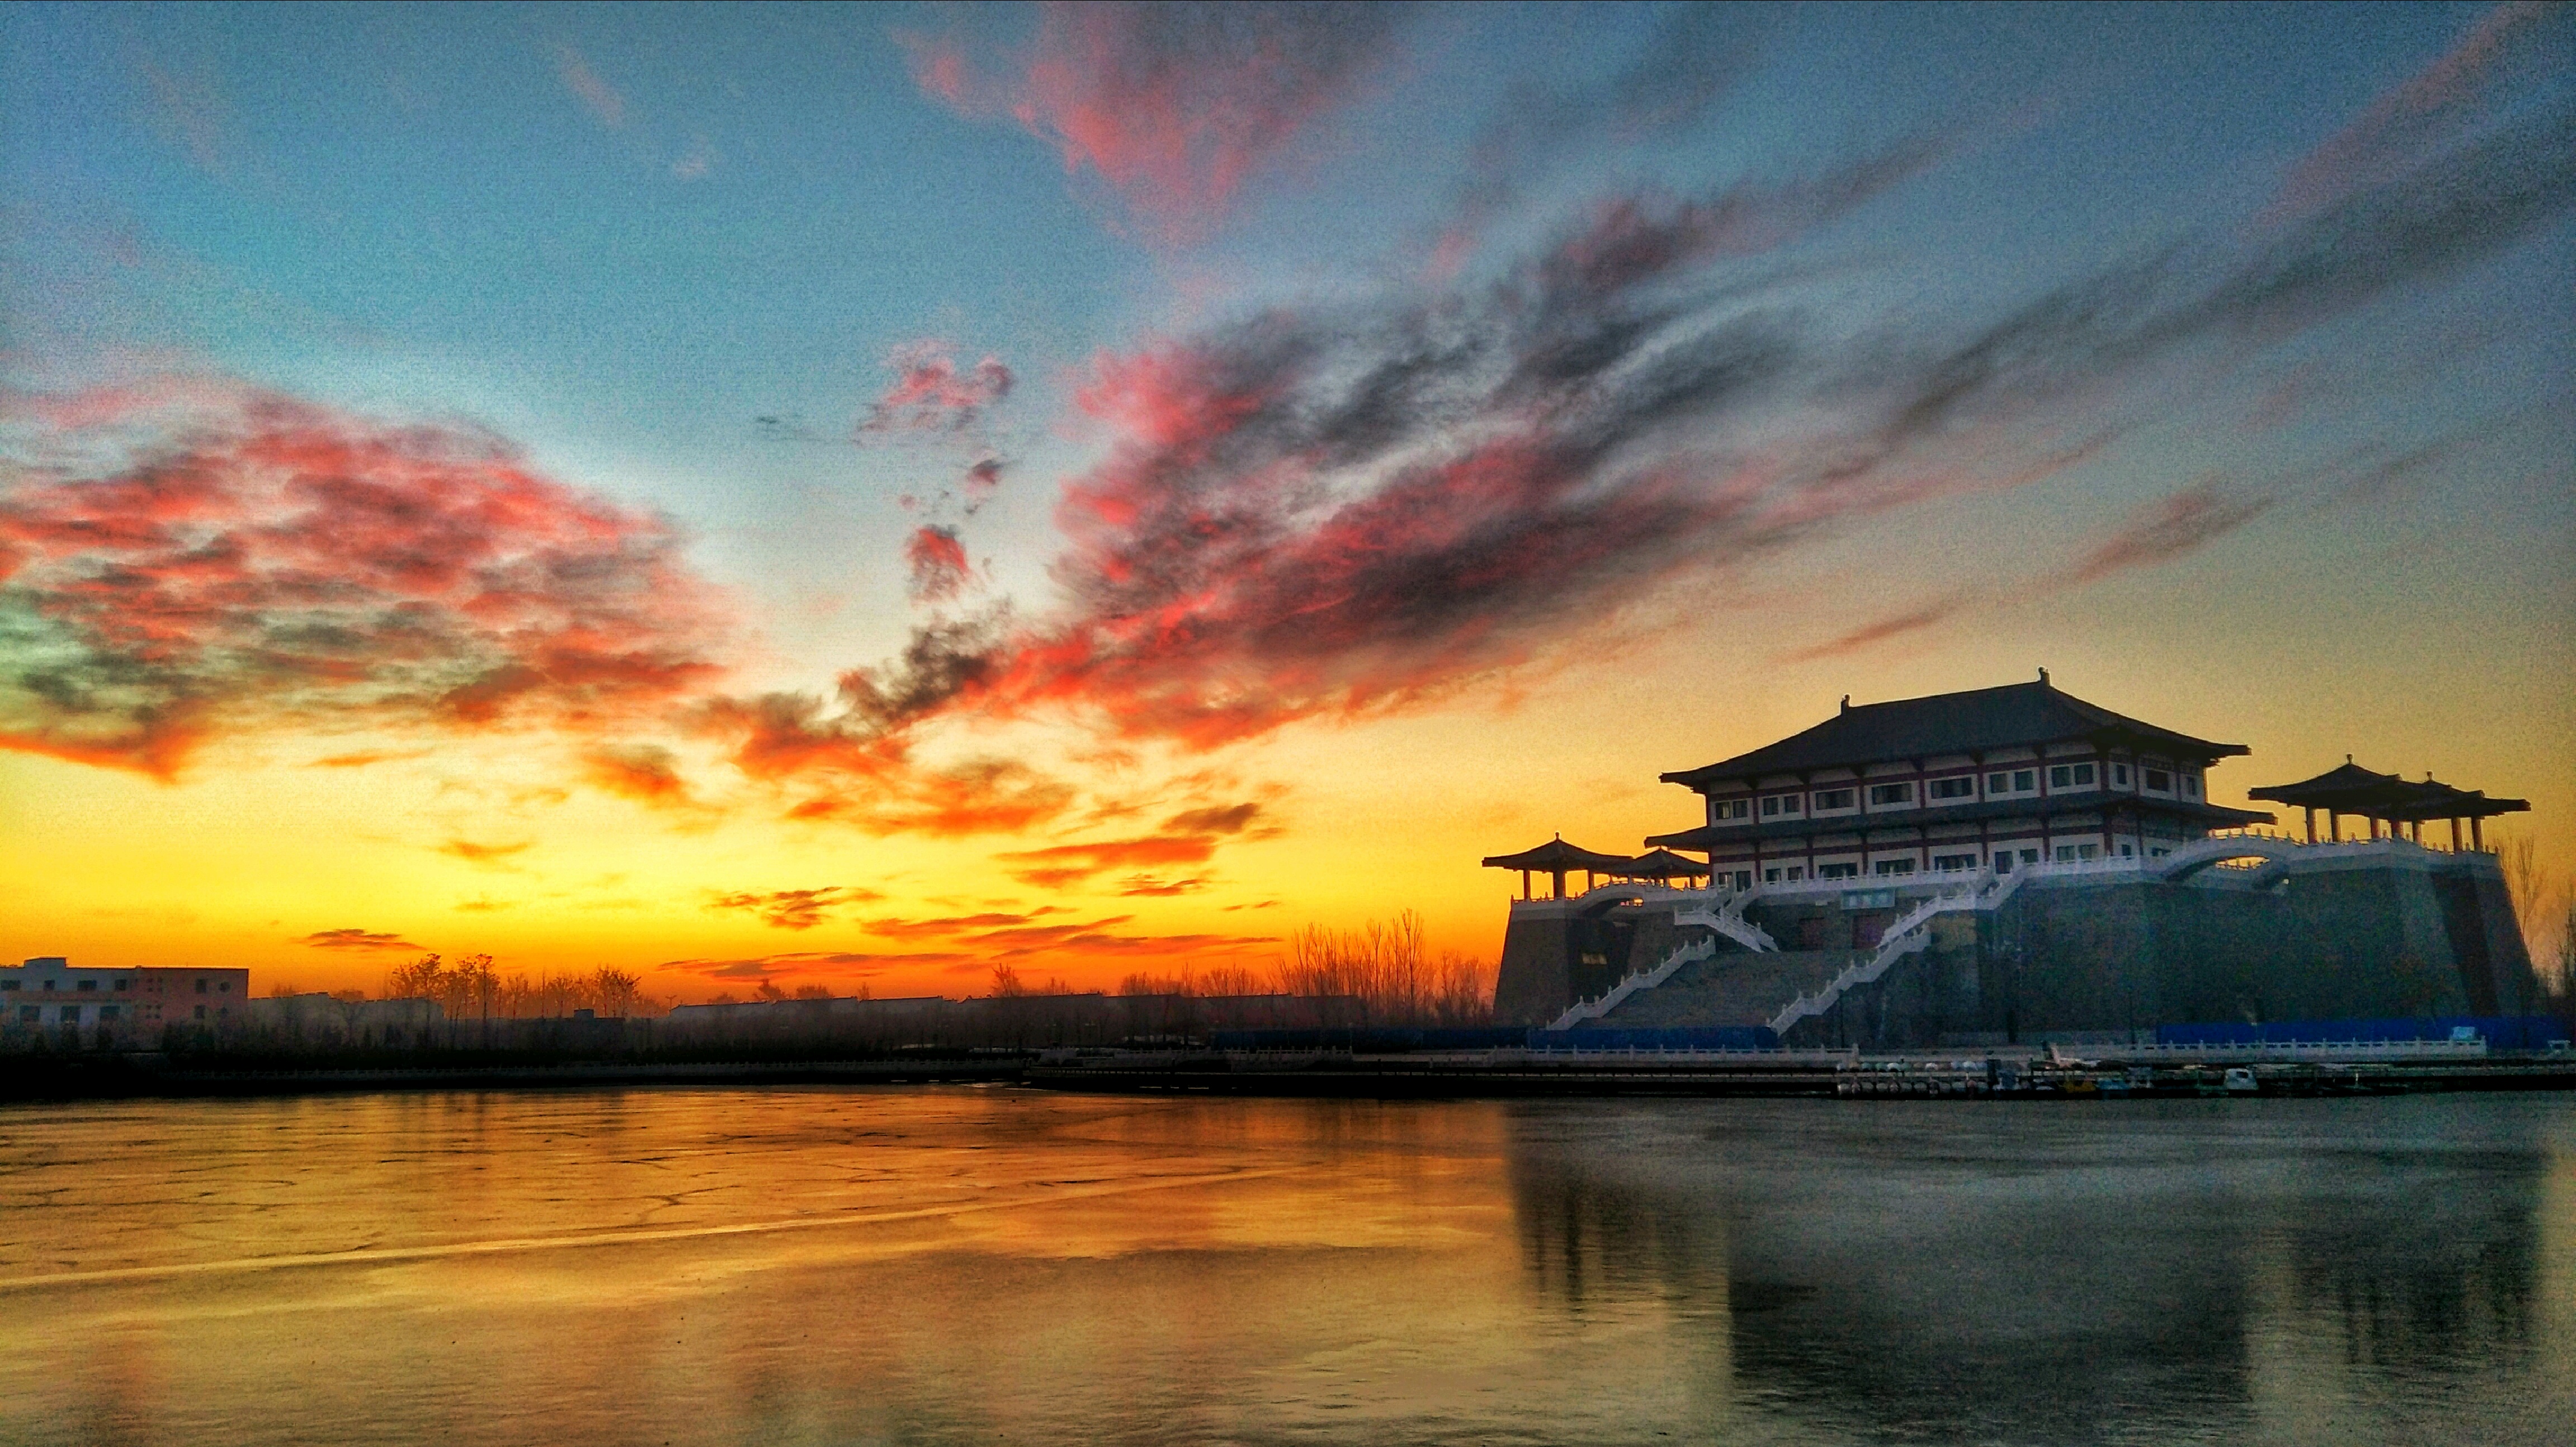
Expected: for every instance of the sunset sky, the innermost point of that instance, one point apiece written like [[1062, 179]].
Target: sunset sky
[[855, 496]]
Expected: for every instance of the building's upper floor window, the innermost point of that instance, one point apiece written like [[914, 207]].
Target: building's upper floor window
[[8, 984], [201, 987], [1828, 800], [1781, 804], [1962, 787], [2119, 776], [125, 982], [2012, 781], [1884, 794], [87, 985], [2191, 785], [2070, 776], [1722, 810], [1953, 863], [2160, 780], [1843, 870]]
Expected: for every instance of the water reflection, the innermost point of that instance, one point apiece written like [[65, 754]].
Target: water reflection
[[982, 1265], [1942, 1272]]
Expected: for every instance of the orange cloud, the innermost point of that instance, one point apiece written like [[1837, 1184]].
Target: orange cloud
[[474, 853], [1060, 865], [646, 773]]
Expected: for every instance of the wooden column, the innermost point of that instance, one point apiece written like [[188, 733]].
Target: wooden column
[[2477, 833], [2312, 823], [2455, 836]]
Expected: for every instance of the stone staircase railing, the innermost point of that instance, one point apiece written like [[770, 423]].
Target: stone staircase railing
[[1583, 1010], [1911, 934], [1728, 920]]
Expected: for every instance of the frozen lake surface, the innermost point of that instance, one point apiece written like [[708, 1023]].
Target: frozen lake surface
[[1008, 1266]]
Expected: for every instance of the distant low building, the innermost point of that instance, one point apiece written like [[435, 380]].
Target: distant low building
[[48, 992]]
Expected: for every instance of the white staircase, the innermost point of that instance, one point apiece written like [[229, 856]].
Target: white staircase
[[1911, 934], [1728, 920], [1583, 1010]]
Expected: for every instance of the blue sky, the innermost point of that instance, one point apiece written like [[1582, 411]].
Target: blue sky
[[2116, 311]]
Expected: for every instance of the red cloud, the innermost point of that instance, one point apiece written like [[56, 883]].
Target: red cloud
[[2428, 108], [806, 962], [930, 394], [794, 908], [2166, 529], [940, 928], [938, 563], [223, 560], [357, 939], [1174, 106]]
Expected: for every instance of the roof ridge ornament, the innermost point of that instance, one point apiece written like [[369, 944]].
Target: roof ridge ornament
[[2043, 675], [1847, 703]]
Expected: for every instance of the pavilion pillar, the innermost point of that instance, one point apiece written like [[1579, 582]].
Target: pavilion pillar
[[2477, 835], [1556, 884], [2455, 836], [2334, 826], [1525, 885], [2312, 823]]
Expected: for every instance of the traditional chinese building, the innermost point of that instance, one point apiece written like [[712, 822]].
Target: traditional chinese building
[[1993, 778], [2014, 865]]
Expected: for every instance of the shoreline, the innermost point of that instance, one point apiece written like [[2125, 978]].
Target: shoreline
[[1482, 1075]]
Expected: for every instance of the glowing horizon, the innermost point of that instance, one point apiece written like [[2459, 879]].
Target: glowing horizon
[[795, 497]]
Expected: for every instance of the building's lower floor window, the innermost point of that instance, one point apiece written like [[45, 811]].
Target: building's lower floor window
[[201, 1012], [1949, 863], [30, 1014], [2069, 853], [1790, 875], [1838, 871], [1895, 866]]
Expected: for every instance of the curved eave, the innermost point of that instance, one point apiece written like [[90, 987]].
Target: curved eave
[[1747, 768]]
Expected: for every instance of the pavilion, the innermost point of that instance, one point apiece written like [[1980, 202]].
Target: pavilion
[[1556, 859], [2389, 799], [1664, 866]]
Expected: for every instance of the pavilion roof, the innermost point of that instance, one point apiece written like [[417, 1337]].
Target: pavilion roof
[[1663, 864], [1973, 722], [1557, 855], [2349, 788]]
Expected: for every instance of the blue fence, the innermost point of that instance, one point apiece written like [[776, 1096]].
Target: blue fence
[[1705, 1037], [2501, 1032]]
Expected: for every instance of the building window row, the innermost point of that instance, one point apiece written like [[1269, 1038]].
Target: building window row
[[1999, 784]]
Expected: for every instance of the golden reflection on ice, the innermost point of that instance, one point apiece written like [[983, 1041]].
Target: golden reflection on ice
[[986, 1265]]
